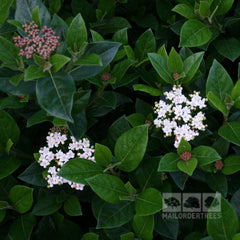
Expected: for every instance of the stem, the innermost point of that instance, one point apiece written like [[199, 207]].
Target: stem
[[70, 64], [96, 97], [210, 19], [112, 166]]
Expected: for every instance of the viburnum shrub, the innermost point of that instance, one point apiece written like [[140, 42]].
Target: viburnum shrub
[[119, 120]]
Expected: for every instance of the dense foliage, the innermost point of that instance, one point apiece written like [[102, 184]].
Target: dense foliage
[[113, 112]]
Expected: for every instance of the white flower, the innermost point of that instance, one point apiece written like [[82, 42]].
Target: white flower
[[57, 157], [177, 117]]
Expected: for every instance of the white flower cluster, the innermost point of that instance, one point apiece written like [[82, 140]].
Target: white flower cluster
[[177, 115], [59, 151]]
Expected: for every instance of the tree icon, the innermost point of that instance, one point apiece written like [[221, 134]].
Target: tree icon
[[172, 202], [192, 202], [208, 201]]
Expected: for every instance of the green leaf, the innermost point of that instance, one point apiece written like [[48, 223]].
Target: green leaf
[[55, 94], [168, 163], [194, 33], [229, 48], [105, 50], [143, 226], [5, 5], [188, 166], [121, 36], [231, 132], [77, 33], [219, 81], [146, 43], [236, 90], [108, 187], [145, 88], [36, 17], [231, 164], [205, 155], [114, 24], [204, 8], [162, 51], [217, 182], [175, 63], [191, 65], [217, 103], [222, 6], [115, 215], [80, 102], [130, 53], [90, 236], [236, 237], [47, 205], [8, 165], [96, 37], [78, 170], [119, 71], [34, 72], [89, 60], [33, 175], [16, 79], [21, 228], [41, 62], [58, 61], [38, 117], [130, 148], [185, 10], [9, 52], [127, 236], [225, 226], [8, 130], [167, 227], [72, 206], [21, 197], [4, 205], [184, 146], [102, 155], [107, 99], [25, 8], [160, 65], [136, 119], [149, 202]]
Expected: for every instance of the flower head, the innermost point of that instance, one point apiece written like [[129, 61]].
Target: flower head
[[178, 115], [59, 150], [42, 42]]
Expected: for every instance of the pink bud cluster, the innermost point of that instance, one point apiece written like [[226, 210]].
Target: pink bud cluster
[[41, 42]]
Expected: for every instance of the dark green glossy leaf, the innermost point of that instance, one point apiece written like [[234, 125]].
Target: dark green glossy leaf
[[105, 50], [160, 65], [185, 10], [33, 175], [108, 187], [34, 72], [188, 166], [55, 94], [194, 33], [5, 5], [79, 169], [72, 206], [144, 88], [205, 155], [227, 225], [102, 155], [21, 197], [89, 60], [149, 202], [58, 61], [77, 33], [217, 103], [115, 215], [21, 228], [47, 205], [168, 163], [183, 146], [219, 81], [130, 148], [143, 226], [175, 63], [8, 165], [231, 132], [231, 164], [146, 43]]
